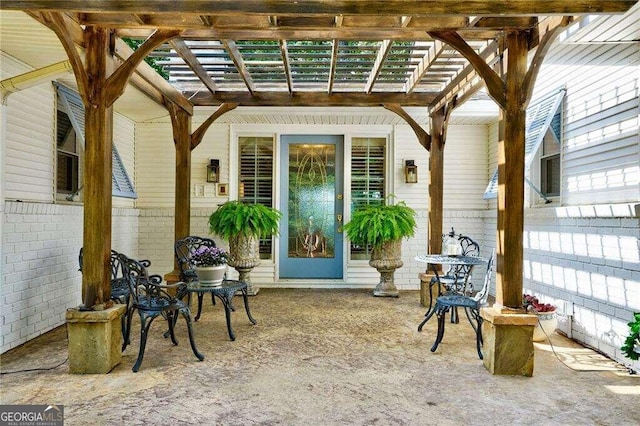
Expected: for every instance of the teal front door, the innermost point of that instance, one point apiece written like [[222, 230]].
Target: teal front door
[[312, 207]]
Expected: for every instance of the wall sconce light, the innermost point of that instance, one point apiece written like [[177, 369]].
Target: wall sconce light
[[410, 171], [213, 171]]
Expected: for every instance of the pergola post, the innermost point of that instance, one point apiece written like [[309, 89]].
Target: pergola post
[[507, 329], [436, 180], [97, 177], [181, 125]]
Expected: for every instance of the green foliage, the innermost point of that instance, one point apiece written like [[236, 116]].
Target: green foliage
[[236, 218], [133, 43], [633, 339], [378, 224]]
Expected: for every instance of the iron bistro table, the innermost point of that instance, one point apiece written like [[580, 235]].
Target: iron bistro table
[[441, 259], [224, 292]]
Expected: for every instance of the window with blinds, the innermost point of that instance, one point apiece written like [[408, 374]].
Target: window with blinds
[[368, 171], [256, 178]]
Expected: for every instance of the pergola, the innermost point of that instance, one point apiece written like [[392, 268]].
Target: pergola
[[229, 53]]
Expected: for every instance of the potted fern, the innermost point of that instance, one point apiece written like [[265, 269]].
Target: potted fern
[[243, 224], [383, 227]]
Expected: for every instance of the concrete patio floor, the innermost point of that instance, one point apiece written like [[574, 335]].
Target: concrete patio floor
[[323, 357]]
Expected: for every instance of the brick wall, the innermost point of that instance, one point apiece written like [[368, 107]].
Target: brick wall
[[586, 261], [40, 277]]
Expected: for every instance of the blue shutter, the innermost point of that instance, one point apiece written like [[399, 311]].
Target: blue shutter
[[539, 117], [121, 185]]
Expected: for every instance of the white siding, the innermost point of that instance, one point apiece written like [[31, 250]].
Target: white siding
[[124, 140], [156, 165], [465, 167], [601, 150], [407, 147], [29, 146]]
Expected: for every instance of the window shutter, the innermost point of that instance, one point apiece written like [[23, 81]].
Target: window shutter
[[539, 117], [121, 185]]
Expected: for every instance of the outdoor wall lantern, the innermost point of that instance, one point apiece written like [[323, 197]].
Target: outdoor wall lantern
[[213, 170], [410, 171]]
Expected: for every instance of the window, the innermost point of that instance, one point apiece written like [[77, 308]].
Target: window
[[550, 157], [543, 124], [256, 178], [368, 170], [70, 121], [67, 156]]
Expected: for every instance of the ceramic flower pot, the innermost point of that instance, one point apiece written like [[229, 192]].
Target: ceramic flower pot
[[211, 275], [547, 321]]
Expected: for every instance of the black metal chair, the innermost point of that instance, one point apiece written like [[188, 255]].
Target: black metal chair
[[120, 292], [184, 249], [471, 305], [456, 279], [151, 299]]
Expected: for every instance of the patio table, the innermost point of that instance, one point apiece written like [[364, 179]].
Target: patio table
[[224, 292]]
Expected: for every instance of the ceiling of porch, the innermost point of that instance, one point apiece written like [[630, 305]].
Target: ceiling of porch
[[312, 53]]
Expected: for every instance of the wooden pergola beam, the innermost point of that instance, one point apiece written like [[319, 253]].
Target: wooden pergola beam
[[309, 98], [334, 7]]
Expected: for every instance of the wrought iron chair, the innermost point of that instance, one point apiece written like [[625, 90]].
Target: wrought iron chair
[[151, 299], [456, 279], [471, 305], [184, 249], [120, 292]]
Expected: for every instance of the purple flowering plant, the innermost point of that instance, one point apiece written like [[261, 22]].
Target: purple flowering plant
[[209, 256]]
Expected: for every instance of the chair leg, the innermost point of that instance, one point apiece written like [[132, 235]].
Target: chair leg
[[126, 341], [441, 314], [479, 340], [144, 332], [428, 316], [172, 317], [187, 317]]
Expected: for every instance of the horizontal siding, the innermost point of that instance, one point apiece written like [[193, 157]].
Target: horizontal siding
[[465, 167], [29, 150], [601, 150], [155, 168], [124, 140], [407, 147]]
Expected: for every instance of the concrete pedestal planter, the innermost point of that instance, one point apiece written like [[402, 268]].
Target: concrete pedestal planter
[[95, 339], [245, 255], [386, 259]]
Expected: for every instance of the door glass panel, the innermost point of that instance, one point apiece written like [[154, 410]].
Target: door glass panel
[[311, 201]]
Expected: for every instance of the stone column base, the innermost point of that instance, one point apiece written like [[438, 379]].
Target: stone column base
[[425, 280], [508, 342], [95, 340]]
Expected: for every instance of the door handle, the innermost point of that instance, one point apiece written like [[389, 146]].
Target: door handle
[[339, 218]]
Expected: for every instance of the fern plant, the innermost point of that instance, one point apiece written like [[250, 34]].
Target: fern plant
[[237, 218], [378, 224], [632, 342]]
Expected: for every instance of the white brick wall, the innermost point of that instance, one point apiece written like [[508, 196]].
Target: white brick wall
[[40, 278]]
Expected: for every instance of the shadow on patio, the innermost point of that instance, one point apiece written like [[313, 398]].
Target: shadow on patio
[[322, 357]]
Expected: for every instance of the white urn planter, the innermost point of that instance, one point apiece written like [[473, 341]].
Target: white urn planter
[[211, 275], [547, 324]]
